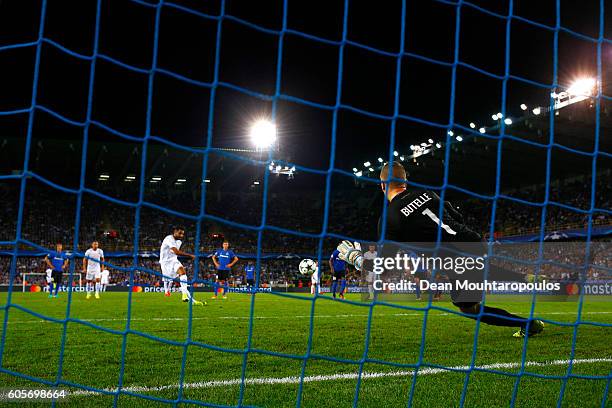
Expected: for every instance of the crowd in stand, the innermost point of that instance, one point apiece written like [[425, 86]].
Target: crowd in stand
[[516, 218], [49, 217], [560, 261]]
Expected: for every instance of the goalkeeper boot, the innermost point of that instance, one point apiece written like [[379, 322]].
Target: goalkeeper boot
[[88, 295], [97, 295], [198, 303], [185, 298], [536, 327]]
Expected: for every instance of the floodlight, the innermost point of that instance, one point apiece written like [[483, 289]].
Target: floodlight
[[582, 86], [367, 164], [508, 121], [371, 169], [402, 158], [263, 134], [395, 153], [355, 170], [359, 174], [536, 111], [499, 115], [523, 106], [482, 130], [472, 125], [380, 159], [459, 139], [494, 117], [450, 133], [430, 140], [438, 145]]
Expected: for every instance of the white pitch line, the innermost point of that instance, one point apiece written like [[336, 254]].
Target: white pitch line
[[345, 376], [284, 317]]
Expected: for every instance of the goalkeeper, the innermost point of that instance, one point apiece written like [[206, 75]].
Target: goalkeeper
[[412, 217]]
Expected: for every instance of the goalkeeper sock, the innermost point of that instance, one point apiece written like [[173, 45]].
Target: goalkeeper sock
[[184, 286], [342, 286], [334, 288], [501, 319]]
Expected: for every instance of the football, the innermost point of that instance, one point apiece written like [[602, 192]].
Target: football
[[307, 266]]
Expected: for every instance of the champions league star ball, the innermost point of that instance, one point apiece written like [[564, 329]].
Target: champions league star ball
[[307, 266]]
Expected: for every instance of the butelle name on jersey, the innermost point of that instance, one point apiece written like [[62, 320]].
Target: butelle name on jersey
[[415, 204]]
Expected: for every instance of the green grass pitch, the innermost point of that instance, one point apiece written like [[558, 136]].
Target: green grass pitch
[[281, 324]]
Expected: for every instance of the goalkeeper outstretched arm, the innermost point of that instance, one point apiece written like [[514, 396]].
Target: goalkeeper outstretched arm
[[412, 216], [351, 253]]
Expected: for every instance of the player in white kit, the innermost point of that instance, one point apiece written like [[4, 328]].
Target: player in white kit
[[104, 279], [49, 273], [171, 266], [92, 269], [315, 281]]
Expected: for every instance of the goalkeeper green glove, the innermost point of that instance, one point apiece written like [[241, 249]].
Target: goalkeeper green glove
[[351, 253]]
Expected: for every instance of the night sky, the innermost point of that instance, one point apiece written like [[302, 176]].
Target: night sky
[[248, 59]]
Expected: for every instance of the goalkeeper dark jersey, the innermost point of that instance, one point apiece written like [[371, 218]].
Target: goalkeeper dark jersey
[[413, 216]]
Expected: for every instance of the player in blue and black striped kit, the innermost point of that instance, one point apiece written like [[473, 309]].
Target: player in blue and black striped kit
[[338, 270], [249, 274], [57, 261], [224, 259]]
